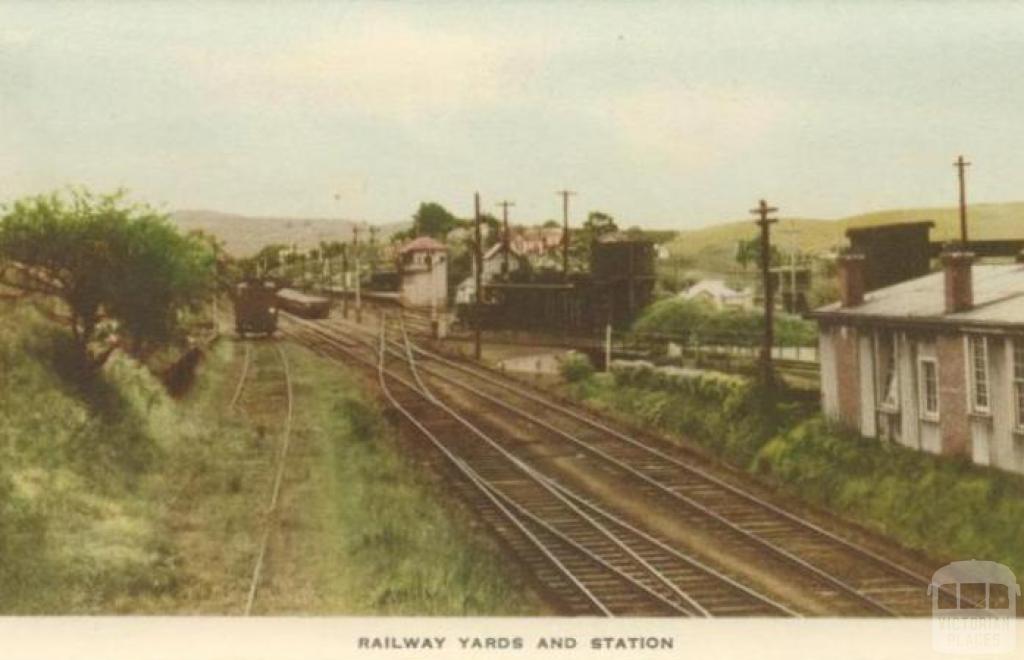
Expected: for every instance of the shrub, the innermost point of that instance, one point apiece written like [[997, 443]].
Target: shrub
[[576, 367]]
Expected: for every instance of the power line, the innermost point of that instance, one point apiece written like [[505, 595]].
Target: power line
[[765, 223], [565, 194], [505, 238]]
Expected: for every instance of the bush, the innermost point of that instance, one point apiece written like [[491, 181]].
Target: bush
[[576, 367], [948, 507], [683, 319]]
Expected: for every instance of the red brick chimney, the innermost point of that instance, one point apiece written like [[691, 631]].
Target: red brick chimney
[[956, 263], [851, 279]]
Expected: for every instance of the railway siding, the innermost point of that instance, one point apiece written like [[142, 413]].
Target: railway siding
[[842, 570]]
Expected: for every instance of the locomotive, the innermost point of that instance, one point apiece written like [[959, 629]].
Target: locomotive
[[255, 303]]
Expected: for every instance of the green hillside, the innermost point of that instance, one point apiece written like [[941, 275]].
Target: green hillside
[[713, 248]]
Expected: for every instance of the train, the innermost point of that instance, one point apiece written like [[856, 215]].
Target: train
[[303, 304], [255, 303]]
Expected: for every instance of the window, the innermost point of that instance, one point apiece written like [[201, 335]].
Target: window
[[978, 356], [928, 388], [1018, 382], [888, 381]]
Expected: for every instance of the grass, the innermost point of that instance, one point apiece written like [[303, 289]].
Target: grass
[[948, 508], [117, 498], [713, 248]]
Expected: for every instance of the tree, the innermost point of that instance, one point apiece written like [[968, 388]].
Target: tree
[[106, 261], [432, 219], [749, 253], [597, 225]]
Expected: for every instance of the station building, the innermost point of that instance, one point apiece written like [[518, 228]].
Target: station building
[[423, 273], [935, 363]]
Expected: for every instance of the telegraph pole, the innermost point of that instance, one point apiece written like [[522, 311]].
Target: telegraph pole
[[478, 254], [960, 166], [344, 280], [768, 340], [505, 238], [373, 248], [565, 194], [355, 256]]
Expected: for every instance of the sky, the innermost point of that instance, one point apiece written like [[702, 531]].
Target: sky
[[664, 114]]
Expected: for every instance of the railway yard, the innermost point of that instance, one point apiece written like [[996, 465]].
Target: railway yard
[[605, 520]]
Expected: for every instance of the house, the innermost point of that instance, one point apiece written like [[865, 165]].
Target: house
[[935, 363], [423, 273], [530, 241], [494, 265], [719, 295]]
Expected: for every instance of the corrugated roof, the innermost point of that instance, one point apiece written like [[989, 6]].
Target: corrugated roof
[[998, 299]]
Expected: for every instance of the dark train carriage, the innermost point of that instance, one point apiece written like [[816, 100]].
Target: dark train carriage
[[303, 304], [255, 307]]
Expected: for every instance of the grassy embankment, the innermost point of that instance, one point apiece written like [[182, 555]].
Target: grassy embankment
[[116, 498], [948, 508], [712, 249]]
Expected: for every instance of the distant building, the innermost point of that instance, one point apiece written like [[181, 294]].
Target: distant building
[[719, 295], [893, 253], [935, 363], [494, 266], [791, 286], [423, 273], [529, 241]]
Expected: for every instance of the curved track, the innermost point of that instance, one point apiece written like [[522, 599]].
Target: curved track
[[595, 562], [838, 568]]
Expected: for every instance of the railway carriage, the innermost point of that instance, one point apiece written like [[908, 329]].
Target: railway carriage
[[255, 307], [303, 304]]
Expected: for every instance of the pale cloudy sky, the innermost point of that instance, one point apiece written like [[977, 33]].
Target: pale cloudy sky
[[668, 114]]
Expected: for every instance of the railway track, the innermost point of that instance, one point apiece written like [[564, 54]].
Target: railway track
[[270, 512], [594, 561], [857, 579]]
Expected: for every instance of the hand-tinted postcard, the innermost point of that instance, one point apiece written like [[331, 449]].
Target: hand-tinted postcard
[[458, 330]]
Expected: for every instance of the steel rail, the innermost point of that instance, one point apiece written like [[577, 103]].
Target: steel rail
[[535, 475], [241, 379], [282, 456], [695, 563], [540, 479], [777, 550], [463, 467], [675, 461]]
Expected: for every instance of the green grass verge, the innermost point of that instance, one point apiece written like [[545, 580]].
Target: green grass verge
[[116, 498], [948, 508]]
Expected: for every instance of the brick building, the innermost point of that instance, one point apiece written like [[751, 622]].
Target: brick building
[[935, 363]]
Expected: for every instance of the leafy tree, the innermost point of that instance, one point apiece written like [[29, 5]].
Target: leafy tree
[[105, 260], [581, 242], [432, 219], [749, 253]]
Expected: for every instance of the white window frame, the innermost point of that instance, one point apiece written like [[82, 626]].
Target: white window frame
[[922, 390], [972, 380], [881, 367], [1017, 382]]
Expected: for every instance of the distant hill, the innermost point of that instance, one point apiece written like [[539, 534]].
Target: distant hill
[[245, 235], [713, 248]]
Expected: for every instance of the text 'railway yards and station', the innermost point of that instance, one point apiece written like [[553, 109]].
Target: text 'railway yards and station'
[[515, 643]]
